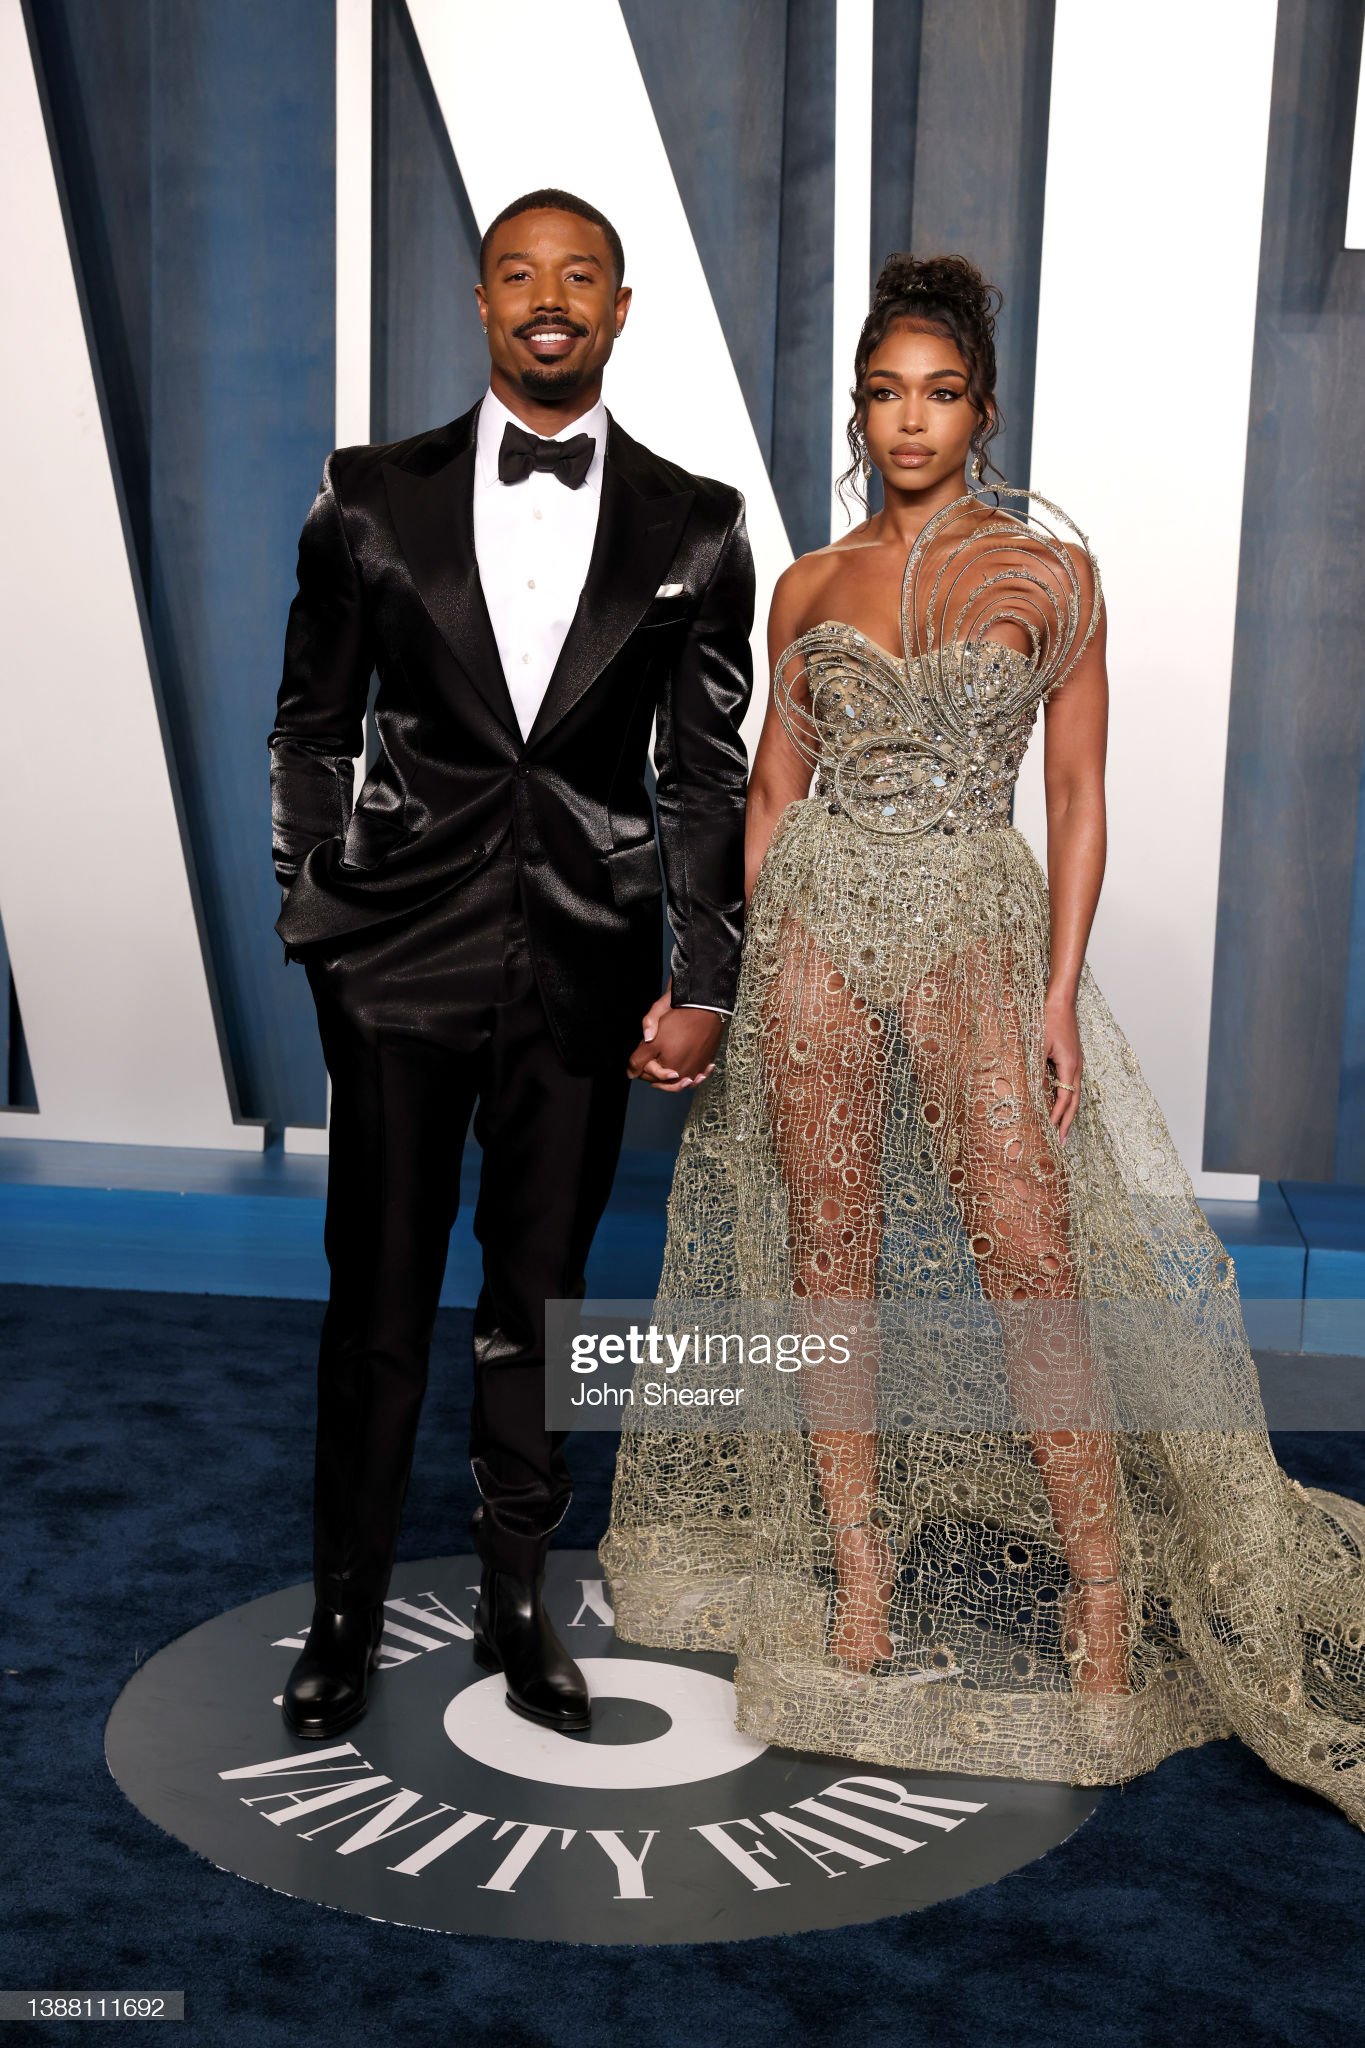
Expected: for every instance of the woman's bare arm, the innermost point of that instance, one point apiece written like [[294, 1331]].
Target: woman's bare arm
[[1075, 740], [781, 773]]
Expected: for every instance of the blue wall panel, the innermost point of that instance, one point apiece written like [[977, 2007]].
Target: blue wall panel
[[1284, 1095], [196, 143]]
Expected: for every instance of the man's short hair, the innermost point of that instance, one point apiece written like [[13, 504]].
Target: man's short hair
[[563, 202]]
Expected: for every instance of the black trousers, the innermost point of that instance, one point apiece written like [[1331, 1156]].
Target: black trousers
[[447, 1019]]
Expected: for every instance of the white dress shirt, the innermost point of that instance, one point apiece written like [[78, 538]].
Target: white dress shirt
[[533, 542]]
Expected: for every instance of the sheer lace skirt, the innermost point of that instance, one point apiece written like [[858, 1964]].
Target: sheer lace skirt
[[1041, 1531]]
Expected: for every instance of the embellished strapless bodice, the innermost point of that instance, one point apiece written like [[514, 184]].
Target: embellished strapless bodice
[[910, 747], [932, 740]]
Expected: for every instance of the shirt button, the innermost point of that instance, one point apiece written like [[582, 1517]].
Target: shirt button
[[536, 512], [526, 657], [530, 583]]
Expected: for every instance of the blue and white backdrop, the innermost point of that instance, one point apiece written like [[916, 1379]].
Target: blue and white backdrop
[[237, 232]]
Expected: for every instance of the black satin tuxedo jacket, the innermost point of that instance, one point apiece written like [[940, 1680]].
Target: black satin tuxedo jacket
[[388, 582]]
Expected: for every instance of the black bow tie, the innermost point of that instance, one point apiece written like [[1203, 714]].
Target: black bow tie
[[523, 451]]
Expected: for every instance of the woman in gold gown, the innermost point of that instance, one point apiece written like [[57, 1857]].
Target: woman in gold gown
[[1029, 1523]]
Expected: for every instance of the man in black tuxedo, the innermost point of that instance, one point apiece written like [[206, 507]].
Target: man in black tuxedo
[[483, 930]]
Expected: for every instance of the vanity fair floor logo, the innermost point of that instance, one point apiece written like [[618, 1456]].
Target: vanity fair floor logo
[[443, 1809]]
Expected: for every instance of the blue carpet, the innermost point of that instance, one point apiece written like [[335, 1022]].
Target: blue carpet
[[156, 1469]]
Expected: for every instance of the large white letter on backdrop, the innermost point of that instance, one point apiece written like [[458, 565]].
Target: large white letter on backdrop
[[108, 959], [670, 379], [1155, 190]]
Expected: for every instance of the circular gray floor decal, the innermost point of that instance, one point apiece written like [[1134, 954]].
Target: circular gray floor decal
[[442, 1809]]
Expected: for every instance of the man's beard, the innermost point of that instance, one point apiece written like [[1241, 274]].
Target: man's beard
[[551, 380]]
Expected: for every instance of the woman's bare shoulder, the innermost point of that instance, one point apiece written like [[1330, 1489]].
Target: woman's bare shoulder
[[1084, 563], [1014, 545], [801, 588]]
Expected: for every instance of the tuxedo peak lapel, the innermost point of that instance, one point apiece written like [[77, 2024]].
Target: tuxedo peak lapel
[[433, 516], [636, 539]]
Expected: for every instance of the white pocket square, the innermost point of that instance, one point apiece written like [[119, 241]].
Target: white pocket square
[[670, 590]]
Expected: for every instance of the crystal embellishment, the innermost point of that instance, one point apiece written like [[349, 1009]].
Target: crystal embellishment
[[931, 742]]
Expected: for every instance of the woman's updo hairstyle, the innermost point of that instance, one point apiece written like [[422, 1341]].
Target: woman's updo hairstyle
[[944, 295]]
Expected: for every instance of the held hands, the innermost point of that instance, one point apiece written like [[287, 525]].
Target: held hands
[[677, 1049], [1062, 1049]]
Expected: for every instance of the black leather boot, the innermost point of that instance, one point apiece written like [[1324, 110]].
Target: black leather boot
[[328, 1687], [513, 1634]]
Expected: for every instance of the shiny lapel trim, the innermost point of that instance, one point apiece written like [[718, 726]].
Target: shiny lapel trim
[[636, 540], [433, 517]]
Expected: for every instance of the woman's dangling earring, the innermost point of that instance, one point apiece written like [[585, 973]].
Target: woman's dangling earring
[[975, 471], [867, 466]]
